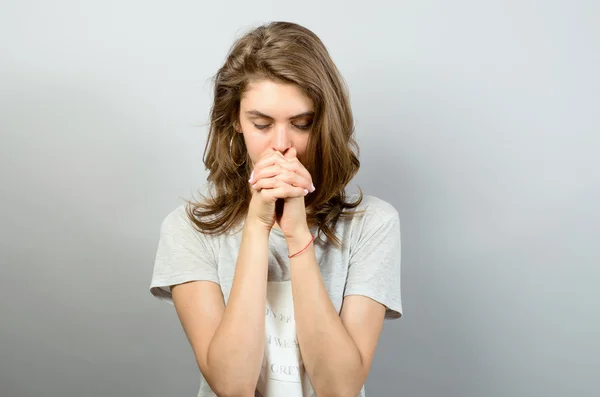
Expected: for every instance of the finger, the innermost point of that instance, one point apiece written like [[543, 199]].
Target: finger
[[281, 173], [285, 191], [294, 163], [291, 153], [266, 183], [268, 152], [271, 153], [291, 178], [269, 171], [271, 158], [297, 167], [280, 187]]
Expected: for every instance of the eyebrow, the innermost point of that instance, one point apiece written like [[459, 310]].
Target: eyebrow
[[256, 113]]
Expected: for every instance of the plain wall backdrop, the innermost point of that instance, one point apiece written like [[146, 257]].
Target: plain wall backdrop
[[477, 120]]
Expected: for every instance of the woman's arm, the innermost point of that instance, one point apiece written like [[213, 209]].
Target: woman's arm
[[337, 350], [228, 341]]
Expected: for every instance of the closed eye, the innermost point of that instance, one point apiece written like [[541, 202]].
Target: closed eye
[[300, 127], [303, 127]]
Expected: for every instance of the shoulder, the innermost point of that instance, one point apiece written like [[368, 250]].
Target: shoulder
[[374, 209], [178, 224], [377, 205], [373, 217], [176, 219], [179, 234]]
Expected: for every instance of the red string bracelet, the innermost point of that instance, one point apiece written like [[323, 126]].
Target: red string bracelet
[[303, 249]]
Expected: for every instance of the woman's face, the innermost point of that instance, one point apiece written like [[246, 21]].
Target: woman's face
[[276, 116]]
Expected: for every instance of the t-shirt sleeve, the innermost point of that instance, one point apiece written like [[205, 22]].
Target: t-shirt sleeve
[[374, 268], [183, 254]]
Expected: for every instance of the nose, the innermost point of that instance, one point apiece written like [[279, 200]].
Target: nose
[[282, 139]]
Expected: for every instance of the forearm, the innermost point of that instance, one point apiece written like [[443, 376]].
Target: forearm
[[331, 358], [236, 351]]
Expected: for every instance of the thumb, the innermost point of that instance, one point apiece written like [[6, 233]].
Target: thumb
[[291, 153]]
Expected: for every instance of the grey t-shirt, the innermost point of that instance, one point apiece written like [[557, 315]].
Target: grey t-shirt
[[367, 264]]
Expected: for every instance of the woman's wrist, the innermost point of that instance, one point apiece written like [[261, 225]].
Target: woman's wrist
[[298, 241], [256, 228]]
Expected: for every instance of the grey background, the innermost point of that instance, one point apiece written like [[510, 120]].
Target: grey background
[[478, 121]]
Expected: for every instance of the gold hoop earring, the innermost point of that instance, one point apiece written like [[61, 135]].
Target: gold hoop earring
[[231, 151]]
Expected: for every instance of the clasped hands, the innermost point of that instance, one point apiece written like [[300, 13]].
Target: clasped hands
[[279, 183]]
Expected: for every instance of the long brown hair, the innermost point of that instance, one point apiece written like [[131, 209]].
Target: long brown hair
[[289, 53]]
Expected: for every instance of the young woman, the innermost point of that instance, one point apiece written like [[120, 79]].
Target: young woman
[[281, 280]]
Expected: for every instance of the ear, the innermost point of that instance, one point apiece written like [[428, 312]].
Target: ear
[[237, 126]]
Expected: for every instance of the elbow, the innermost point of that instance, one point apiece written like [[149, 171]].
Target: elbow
[[341, 389], [229, 391], [227, 381], [229, 388], [341, 393]]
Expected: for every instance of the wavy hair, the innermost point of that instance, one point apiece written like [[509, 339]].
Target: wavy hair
[[289, 53]]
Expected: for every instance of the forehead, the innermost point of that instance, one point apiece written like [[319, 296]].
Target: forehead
[[275, 99]]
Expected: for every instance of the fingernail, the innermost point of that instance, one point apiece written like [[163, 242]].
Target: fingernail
[[305, 192], [313, 188], [251, 176], [253, 186]]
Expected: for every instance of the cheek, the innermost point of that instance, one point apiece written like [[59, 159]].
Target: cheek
[[256, 144], [301, 146]]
